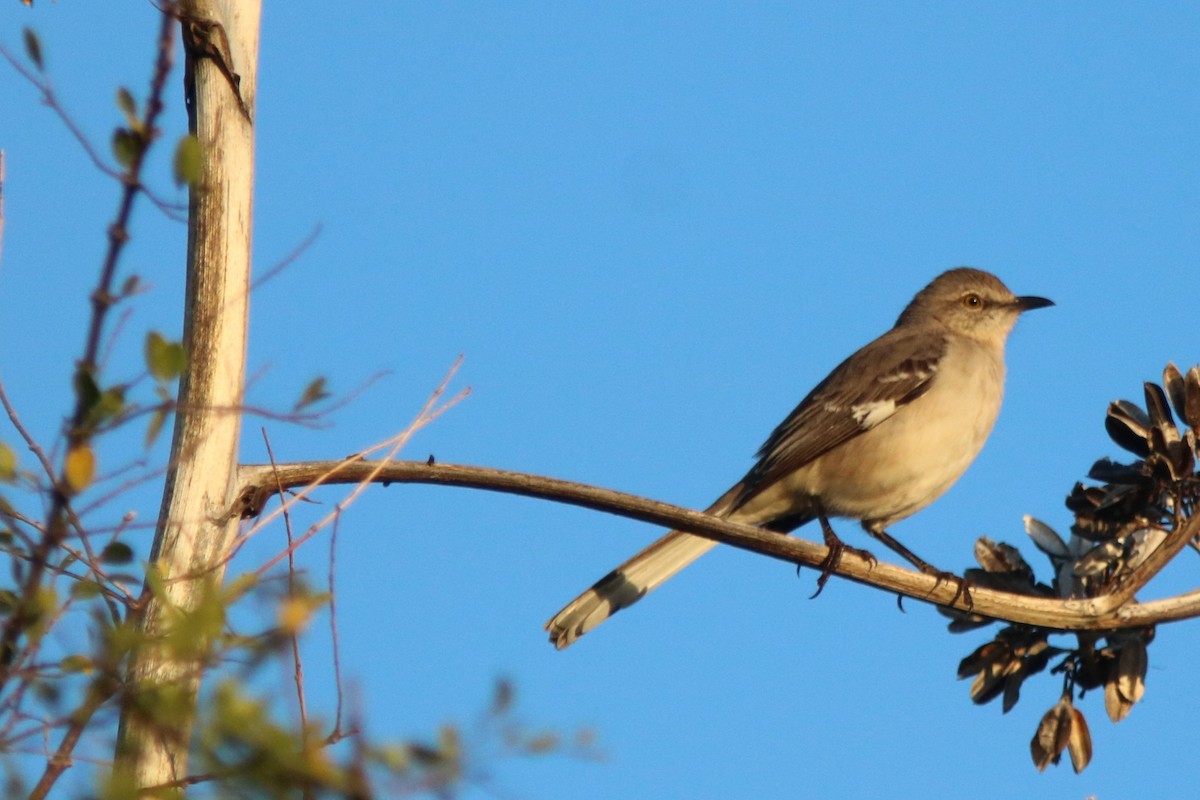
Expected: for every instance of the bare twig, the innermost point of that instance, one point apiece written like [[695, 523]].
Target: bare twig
[[288, 259], [50, 99], [297, 663], [429, 412], [1, 206], [115, 336], [1087, 614], [126, 486], [313, 420], [336, 735], [25, 435]]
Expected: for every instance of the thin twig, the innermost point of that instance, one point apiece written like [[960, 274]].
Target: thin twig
[[115, 337], [117, 491], [336, 734], [1, 206], [50, 100], [429, 412], [297, 663], [25, 435], [288, 259]]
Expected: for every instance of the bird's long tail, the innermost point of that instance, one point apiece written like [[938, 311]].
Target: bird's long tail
[[633, 580], [625, 585]]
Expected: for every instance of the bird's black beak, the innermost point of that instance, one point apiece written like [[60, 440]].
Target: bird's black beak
[[1030, 303]]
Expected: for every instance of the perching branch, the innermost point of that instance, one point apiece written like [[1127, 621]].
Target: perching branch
[[259, 481]]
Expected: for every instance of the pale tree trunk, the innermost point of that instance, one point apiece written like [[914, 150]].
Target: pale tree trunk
[[195, 526]]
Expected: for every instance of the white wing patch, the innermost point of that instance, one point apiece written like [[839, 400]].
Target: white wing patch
[[921, 371], [868, 415]]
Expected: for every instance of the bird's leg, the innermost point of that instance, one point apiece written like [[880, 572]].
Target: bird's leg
[[962, 591], [836, 548]]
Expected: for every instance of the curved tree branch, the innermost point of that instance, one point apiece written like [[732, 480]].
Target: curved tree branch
[[260, 481]]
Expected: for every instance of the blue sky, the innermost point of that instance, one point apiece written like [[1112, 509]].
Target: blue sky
[[650, 229]]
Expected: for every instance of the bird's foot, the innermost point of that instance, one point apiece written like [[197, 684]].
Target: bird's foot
[[837, 548], [962, 589]]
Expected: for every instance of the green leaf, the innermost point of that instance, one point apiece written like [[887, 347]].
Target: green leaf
[[157, 420], [127, 146], [117, 553], [86, 590], [98, 406], [108, 406], [165, 360], [128, 106], [313, 393], [33, 48], [8, 463], [87, 393], [40, 609], [189, 161]]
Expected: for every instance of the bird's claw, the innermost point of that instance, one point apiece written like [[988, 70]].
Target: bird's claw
[[962, 590], [829, 564]]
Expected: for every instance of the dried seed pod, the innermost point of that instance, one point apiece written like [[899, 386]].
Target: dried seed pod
[[1129, 427], [983, 656], [1176, 391], [1143, 543], [1053, 734], [1191, 403], [1160, 412], [1046, 539], [1110, 471], [1117, 706], [1181, 458], [1000, 557], [1131, 671], [1100, 560], [1079, 745]]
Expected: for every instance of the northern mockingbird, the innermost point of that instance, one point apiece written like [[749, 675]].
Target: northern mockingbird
[[890, 430]]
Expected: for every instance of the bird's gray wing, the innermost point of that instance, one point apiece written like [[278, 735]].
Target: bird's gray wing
[[863, 391]]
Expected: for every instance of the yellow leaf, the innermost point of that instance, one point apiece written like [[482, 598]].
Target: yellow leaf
[[294, 614], [79, 469], [8, 463]]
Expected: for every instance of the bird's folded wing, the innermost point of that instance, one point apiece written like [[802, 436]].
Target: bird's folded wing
[[862, 392]]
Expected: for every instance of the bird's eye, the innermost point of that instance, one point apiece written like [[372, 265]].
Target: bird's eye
[[973, 301]]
